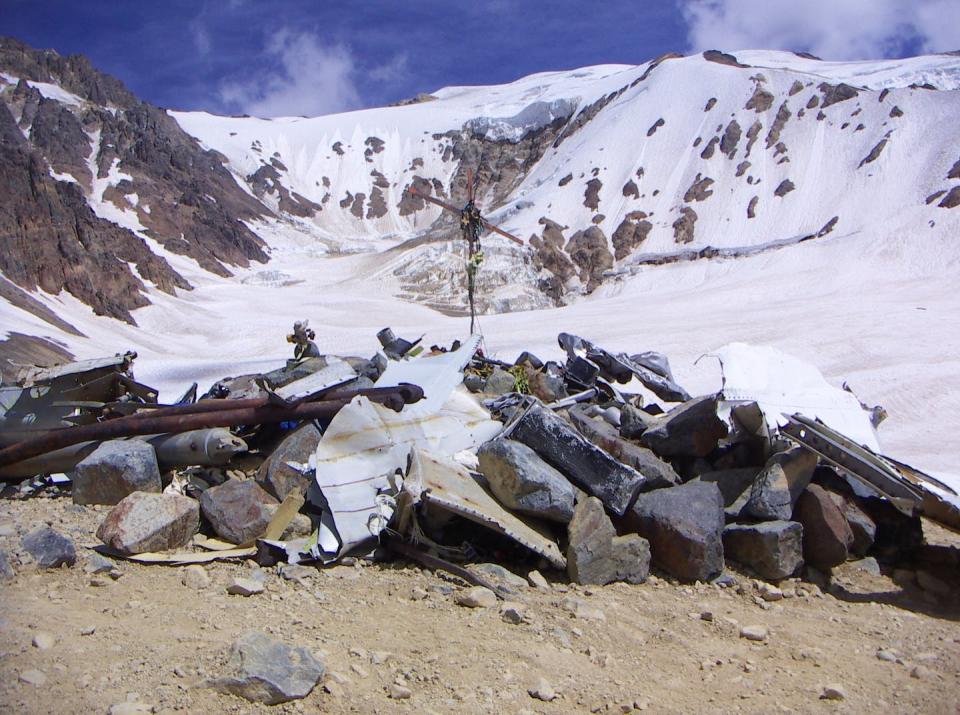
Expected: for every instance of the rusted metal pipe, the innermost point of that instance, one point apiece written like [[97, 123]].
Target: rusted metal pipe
[[408, 393], [153, 424]]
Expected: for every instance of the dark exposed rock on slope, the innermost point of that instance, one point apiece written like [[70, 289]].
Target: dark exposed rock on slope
[[51, 239], [117, 150]]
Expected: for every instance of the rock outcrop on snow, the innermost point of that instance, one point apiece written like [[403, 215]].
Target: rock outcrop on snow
[[108, 193]]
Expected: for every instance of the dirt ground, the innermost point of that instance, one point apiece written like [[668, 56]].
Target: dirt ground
[[662, 647]]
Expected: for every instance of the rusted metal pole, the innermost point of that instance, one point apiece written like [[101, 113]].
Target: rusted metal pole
[[153, 424], [408, 393]]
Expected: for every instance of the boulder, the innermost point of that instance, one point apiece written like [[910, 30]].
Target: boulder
[[731, 482], [499, 382], [861, 525], [634, 422], [524, 482], [684, 526], [238, 510], [547, 387], [690, 430], [827, 537], [586, 465], [774, 549], [115, 469], [264, 670], [780, 483], [596, 555], [658, 473], [276, 476], [150, 522], [48, 548]]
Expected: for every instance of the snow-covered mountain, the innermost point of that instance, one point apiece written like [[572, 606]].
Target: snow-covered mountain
[[690, 200]]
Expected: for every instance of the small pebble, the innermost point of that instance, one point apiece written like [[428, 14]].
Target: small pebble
[[542, 690], [399, 692], [833, 692], [513, 613], [477, 597], [245, 587], [754, 633], [195, 576], [537, 580], [33, 677], [43, 641]]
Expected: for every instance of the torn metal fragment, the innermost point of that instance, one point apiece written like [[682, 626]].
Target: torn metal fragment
[[441, 482]]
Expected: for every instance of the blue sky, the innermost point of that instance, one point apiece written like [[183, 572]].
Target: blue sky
[[312, 57]]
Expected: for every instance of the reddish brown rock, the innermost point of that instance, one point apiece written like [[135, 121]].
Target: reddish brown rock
[[238, 510], [144, 522], [827, 537]]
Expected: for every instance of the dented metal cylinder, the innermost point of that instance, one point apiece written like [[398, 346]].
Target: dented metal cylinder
[[199, 448]]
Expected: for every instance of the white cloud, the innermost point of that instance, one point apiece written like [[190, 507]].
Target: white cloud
[[200, 35], [831, 29], [310, 79]]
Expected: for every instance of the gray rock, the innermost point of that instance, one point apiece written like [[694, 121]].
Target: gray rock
[[596, 555], [538, 581], [400, 692], [237, 510], [33, 677], [144, 522], [542, 690], [297, 572], [97, 564], [684, 525], [49, 548], [731, 482], [499, 382], [833, 692], [634, 422], [513, 613], [868, 565], [774, 549], [196, 577], [690, 430], [245, 587], [264, 670], [6, 570], [503, 577], [115, 469], [275, 476], [43, 640], [864, 529], [757, 634], [524, 482], [473, 382], [658, 473], [476, 597], [780, 483], [586, 465], [827, 537]]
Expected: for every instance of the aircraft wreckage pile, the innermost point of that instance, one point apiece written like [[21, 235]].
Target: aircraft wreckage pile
[[448, 458]]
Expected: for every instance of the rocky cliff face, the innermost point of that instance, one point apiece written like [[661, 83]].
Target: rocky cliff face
[[89, 172]]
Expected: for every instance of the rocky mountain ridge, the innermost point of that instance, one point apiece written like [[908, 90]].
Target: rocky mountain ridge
[[604, 170]]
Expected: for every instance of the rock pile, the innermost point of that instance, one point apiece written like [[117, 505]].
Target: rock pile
[[578, 472]]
